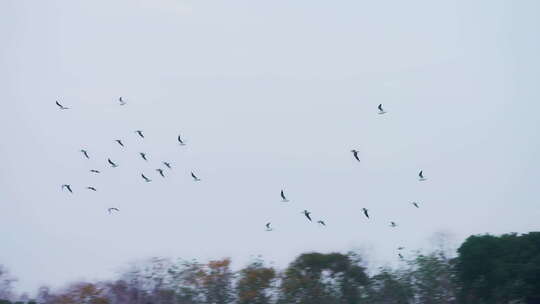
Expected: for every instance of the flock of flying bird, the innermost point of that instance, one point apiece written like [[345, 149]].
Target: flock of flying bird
[[284, 199]]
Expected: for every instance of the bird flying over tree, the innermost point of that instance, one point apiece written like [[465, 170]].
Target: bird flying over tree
[[355, 154], [146, 179], [85, 153], [61, 106], [365, 212], [113, 164], [195, 178], [381, 110], [68, 187], [307, 213], [283, 198]]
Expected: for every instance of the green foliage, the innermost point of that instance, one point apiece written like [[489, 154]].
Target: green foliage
[[500, 269]]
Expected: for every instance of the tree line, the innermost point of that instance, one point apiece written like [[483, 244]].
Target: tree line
[[486, 269]]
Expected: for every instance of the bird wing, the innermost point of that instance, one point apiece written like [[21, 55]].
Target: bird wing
[[282, 195], [380, 107], [193, 175], [421, 174], [267, 225]]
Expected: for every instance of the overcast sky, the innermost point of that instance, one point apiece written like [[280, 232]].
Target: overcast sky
[[268, 95]]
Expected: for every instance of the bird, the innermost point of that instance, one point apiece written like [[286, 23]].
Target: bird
[[321, 222], [381, 110], [140, 133], [400, 256], [181, 141], [195, 178], [365, 212], [400, 248], [61, 106], [146, 179], [94, 171], [143, 155], [121, 100], [160, 172], [268, 228], [393, 224], [67, 187], [112, 163], [307, 213], [91, 188], [415, 204], [85, 153], [283, 198], [112, 209], [355, 154], [421, 176], [119, 142], [168, 165]]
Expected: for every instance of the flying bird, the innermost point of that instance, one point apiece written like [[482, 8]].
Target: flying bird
[[140, 133], [355, 154], [381, 110], [415, 204], [421, 176], [66, 186], [112, 163], [146, 179], [94, 171], [61, 106], [181, 141], [393, 224], [365, 212], [400, 255], [113, 209], [283, 198], [268, 228], [195, 178], [321, 222], [121, 100], [160, 172], [91, 188], [307, 213], [168, 165], [143, 155], [400, 248], [85, 153], [119, 142]]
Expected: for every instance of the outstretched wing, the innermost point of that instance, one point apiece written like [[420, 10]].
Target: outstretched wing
[[380, 107], [282, 195]]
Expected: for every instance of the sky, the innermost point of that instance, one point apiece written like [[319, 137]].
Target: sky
[[268, 95]]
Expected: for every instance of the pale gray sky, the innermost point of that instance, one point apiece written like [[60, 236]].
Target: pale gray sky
[[268, 95]]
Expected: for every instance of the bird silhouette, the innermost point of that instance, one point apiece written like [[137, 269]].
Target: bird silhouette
[[307, 213], [421, 176], [268, 228], [113, 209], [321, 222], [61, 106], [160, 171], [91, 188], [393, 224], [140, 133], [114, 165], [283, 198], [355, 154], [365, 212], [400, 248], [143, 155], [168, 165], [195, 178], [119, 142], [95, 171], [146, 179], [181, 141], [66, 186], [381, 110], [415, 204], [85, 153], [121, 101]]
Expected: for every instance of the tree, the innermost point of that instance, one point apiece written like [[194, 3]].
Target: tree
[[6, 284], [255, 284], [317, 278], [500, 269], [433, 279], [390, 287]]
